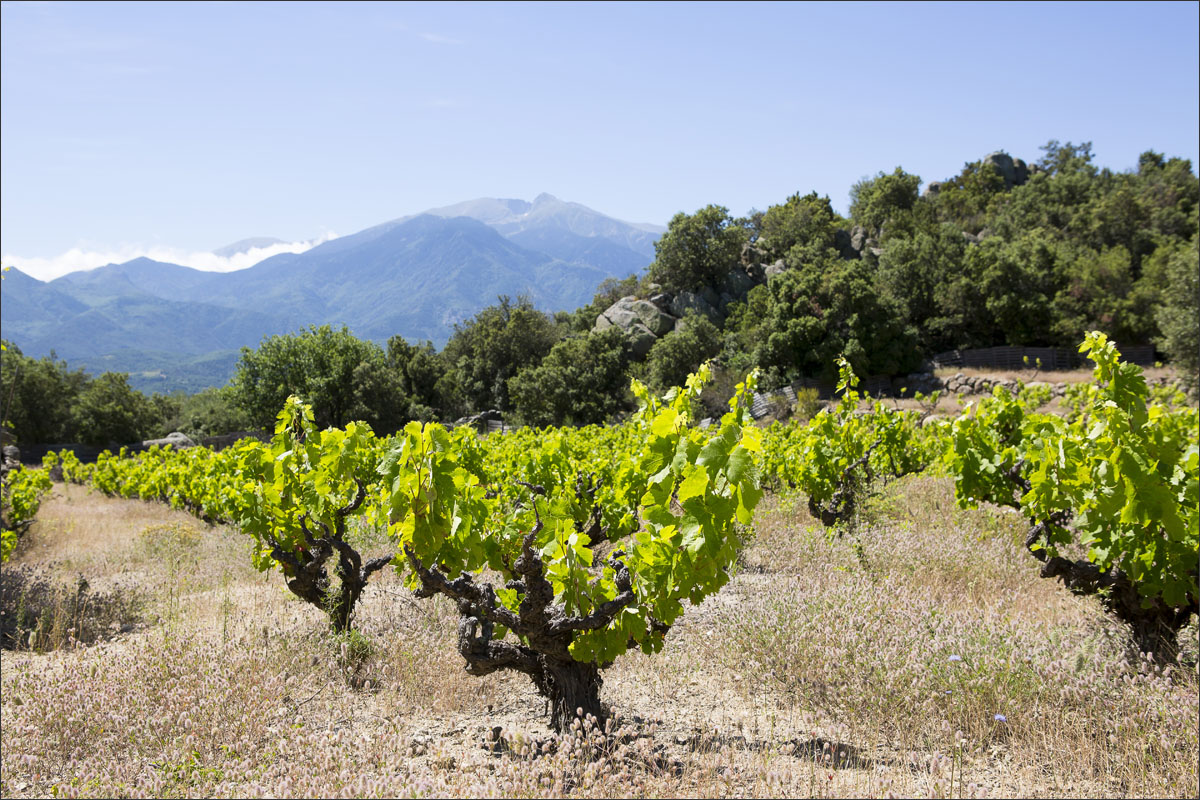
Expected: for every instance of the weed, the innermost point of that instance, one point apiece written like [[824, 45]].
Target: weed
[[41, 613], [808, 404]]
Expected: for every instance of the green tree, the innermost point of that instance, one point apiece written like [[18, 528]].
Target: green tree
[[1017, 282], [1062, 159], [1179, 317], [492, 347], [966, 199], [916, 273], [807, 221], [109, 413], [1101, 293], [818, 312], [698, 249], [1170, 191], [743, 330], [874, 201], [320, 366], [1059, 198], [209, 412], [681, 352], [378, 397], [420, 370], [37, 395], [582, 381]]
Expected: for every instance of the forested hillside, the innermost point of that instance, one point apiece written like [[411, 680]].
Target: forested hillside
[[1004, 253]]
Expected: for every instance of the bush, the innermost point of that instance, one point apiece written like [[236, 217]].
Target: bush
[[681, 352], [808, 403], [1179, 317], [581, 382]]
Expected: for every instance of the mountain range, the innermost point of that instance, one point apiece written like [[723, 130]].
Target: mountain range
[[173, 327]]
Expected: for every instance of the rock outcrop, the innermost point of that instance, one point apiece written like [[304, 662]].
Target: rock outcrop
[[12, 458], [706, 304], [480, 421], [177, 440], [645, 321], [1014, 171], [630, 311]]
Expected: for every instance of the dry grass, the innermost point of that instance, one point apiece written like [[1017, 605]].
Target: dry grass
[[1083, 375], [873, 663]]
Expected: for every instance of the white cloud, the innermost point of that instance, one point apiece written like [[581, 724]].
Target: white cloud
[[77, 259]]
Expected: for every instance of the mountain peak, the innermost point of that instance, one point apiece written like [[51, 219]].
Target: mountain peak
[[545, 199], [246, 245]]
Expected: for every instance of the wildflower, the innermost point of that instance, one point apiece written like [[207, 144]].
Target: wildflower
[[1001, 718], [956, 658]]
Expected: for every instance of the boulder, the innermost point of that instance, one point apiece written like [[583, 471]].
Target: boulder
[[640, 340], [751, 254], [859, 238], [619, 315], [177, 440], [1020, 172], [845, 248], [1014, 171], [1004, 165], [738, 284], [662, 300], [932, 189], [629, 311], [774, 269], [649, 314], [12, 457], [698, 304]]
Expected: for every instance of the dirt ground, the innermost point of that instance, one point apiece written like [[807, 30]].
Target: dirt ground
[[917, 653]]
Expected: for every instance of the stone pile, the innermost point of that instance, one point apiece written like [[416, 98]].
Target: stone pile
[[977, 384]]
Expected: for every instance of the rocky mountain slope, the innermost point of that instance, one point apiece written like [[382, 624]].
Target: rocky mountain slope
[[416, 276]]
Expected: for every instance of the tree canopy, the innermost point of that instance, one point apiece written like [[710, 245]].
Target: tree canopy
[[492, 347], [344, 378], [698, 249], [1034, 255]]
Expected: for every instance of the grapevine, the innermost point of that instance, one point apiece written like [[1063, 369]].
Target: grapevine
[[22, 492], [1119, 477], [562, 614]]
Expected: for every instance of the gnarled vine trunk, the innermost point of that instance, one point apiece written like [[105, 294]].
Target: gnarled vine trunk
[[545, 631], [1155, 626], [572, 688], [307, 575], [840, 508]]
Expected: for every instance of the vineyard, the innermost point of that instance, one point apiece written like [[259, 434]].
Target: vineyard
[[873, 601]]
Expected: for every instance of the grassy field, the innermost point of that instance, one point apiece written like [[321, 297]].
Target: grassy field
[[917, 655]]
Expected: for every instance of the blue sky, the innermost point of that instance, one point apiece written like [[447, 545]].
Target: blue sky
[[177, 128]]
